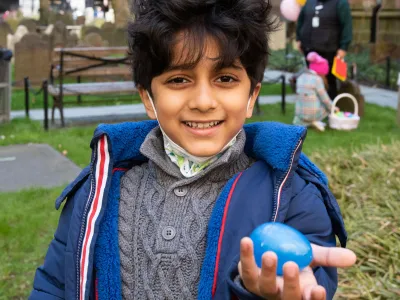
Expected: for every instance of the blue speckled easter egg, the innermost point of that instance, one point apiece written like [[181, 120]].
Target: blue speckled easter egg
[[288, 243]]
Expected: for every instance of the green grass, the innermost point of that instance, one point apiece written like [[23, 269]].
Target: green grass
[[36, 101], [366, 184], [27, 223]]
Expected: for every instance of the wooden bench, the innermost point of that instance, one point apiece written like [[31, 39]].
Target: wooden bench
[[92, 62]]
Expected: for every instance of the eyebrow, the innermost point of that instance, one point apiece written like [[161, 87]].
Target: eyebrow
[[189, 66]]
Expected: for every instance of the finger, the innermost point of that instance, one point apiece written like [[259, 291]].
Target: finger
[[307, 275], [249, 270], [307, 282], [267, 281], [291, 282], [317, 293], [313, 291], [332, 257]]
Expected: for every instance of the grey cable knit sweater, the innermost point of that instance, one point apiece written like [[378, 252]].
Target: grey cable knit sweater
[[163, 220]]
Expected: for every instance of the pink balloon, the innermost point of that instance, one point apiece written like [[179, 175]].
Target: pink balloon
[[290, 9]]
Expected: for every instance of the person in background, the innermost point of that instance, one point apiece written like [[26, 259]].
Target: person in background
[[325, 27], [313, 103]]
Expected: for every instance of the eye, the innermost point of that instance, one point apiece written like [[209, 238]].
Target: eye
[[178, 80], [226, 79]]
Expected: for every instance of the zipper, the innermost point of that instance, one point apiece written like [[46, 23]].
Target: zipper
[[83, 225], [282, 180]]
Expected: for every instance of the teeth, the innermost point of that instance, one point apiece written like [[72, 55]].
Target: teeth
[[202, 125]]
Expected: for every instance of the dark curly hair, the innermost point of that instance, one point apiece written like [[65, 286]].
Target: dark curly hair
[[240, 27]]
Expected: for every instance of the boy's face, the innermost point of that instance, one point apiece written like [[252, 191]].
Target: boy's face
[[201, 108]]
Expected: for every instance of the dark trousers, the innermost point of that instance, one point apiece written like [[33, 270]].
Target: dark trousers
[[329, 56]]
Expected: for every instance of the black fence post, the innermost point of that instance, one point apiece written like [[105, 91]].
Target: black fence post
[[61, 76], [79, 98], [26, 89], [352, 72], [374, 21], [46, 105], [388, 66], [283, 93]]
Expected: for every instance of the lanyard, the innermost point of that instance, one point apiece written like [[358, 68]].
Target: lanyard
[[319, 6], [315, 20]]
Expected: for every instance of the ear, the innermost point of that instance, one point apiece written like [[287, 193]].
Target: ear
[[147, 103], [254, 95]]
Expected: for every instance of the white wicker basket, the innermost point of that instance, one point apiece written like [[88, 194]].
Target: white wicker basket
[[343, 123]]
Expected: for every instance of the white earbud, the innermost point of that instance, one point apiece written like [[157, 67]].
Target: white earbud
[[152, 104], [248, 104]]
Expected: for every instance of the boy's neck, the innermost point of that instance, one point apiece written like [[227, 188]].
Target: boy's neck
[[234, 157]]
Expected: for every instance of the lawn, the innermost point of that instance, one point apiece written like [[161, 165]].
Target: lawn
[[367, 186], [364, 178], [27, 223]]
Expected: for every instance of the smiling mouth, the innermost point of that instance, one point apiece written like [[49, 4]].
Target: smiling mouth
[[202, 125]]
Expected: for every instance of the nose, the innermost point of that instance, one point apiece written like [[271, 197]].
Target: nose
[[203, 98]]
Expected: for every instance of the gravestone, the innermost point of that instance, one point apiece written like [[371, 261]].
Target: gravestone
[[49, 29], [30, 24], [107, 32], [94, 40], [115, 36], [74, 30], [59, 35], [80, 20], [5, 30], [18, 35], [120, 37], [89, 29], [47, 39], [72, 41], [32, 59]]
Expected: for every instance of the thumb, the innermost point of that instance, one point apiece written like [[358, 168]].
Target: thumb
[[332, 257]]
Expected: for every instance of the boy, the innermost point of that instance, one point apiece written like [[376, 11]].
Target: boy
[[164, 208]]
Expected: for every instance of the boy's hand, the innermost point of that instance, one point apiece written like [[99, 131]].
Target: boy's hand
[[294, 284]]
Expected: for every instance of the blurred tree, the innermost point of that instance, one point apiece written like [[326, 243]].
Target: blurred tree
[[44, 11], [121, 12]]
